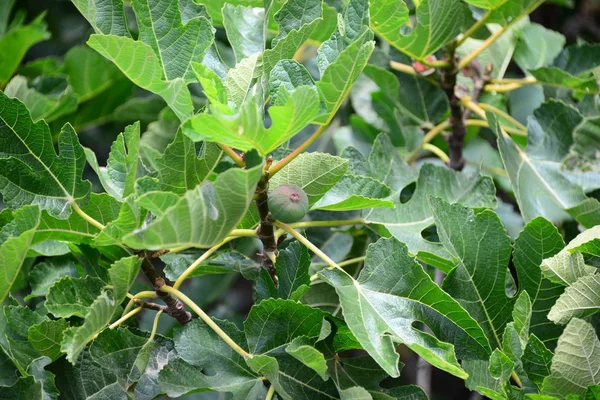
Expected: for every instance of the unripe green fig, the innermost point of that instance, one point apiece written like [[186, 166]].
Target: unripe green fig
[[288, 203]]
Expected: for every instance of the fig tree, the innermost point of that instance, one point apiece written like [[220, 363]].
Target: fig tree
[[288, 203]]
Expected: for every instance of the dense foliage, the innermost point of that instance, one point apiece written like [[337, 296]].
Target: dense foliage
[[447, 153]]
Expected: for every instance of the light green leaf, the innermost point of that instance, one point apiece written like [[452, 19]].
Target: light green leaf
[[44, 274], [46, 336], [99, 315], [355, 193], [539, 239], [476, 239], [212, 85], [242, 25], [102, 207], [73, 296], [391, 281], [296, 14], [287, 74], [88, 380], [540, 186], [556, 77], [15, 43], [341, 72], [537, 47], [308, 355], [185, 164], [576, 363], [486, 4], [204, 216], [315, 173], [410, 218], [245, 130], [46, 97], [438, 22], [176, 45], [512, 10], [587, 241], [142, 66], [565, 268], [119, 176], [105, 16], [122, 275], [536, 360], [240, 80], [13, 250], [580, 299], [30, 170], [292, 272], [89, 73]]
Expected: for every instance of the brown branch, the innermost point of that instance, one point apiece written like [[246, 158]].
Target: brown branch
[[174, 307], [266, 231], [457, 120]]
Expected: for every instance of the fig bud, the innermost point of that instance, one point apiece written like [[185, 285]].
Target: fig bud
[[288, 203]]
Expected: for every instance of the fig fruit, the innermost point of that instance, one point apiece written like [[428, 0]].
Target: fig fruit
[[288, 203]]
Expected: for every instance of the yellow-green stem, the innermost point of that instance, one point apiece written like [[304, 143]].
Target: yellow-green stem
[[504, 115], [125, 318], [407, 69], [435, 131], [200, 260], [308, 244], [141, 295], [85, 216], [234, 156], [342, 264], [207, 320], [484, 124], [155, 325], [474, 28], [270, 393], [285, 161], [490, 40], [437, 151]]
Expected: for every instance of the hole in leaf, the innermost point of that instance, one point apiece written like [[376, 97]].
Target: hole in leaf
[[430, 234], [407, 192]]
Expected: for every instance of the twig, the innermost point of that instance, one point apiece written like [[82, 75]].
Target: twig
[[174, 307], [474, 28], [285, 161], [204, 317], [124, 318], [432, 134], [234, 156]]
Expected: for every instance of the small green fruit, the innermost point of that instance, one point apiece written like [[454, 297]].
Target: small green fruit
[[288, 203]]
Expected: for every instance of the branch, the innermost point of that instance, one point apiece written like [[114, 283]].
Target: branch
[[174, 307], [265, 231], [204, 317], [459, 130]]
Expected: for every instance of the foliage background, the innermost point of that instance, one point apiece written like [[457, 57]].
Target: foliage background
[[230, 297]]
